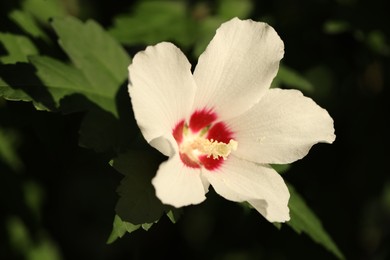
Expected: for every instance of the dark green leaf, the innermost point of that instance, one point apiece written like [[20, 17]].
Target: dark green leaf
[[377, 41], [291, 78], [304, 220], [336, 26], [71, 91], [281, 168], [27, 88], [138, 203], [138, 206], [207, 29]]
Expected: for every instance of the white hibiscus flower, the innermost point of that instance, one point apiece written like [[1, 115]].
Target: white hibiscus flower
[[223, 125]]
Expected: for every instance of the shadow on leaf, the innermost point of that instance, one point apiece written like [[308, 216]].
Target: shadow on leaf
[[21, 78]]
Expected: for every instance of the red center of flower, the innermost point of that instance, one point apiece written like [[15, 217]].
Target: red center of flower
[[203, 141]]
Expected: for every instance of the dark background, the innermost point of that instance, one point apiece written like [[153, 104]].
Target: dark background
[[346, 183]]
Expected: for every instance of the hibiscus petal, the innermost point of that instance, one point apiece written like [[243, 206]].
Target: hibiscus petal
[[281, 128], [237, 67], [260, 185], [179, 185], [161, 88]]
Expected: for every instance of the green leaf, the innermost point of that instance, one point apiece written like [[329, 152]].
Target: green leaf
[[377, 41], [166, 21], [120, 228], [45, 249], [8, 149], [336, 26], [28, 24], [28, 246], [147, 226], [100, 130], [323, 79], [27, 88], [63, 80], [18, 48], [138, 203], [92, 50], [174, 214], [228, 9], [43, 10], [291, 78], [304, 220], [281, 168], [105, 133], [99, 76], [18, 235], [13, 94], [34, 197], [207, 29]]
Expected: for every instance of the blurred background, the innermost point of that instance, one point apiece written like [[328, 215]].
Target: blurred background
[[57, 199]]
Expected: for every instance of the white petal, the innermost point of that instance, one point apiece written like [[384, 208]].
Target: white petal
[[281, 128], [165, 144], [237, 67], [161, 88], [179, 185], [260, 185]]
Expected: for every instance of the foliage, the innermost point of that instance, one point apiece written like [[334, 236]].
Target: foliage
[[71, 67]]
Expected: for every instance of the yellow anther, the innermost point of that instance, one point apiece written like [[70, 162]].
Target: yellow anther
[[215, 148]]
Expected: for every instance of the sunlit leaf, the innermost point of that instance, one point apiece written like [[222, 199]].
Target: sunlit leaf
[[43, 10], [18, 48], [174, 214], [63, 80], [166, 21], [28, 24], [119, 229], [100, 58], [147, 226], [304, 220]]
